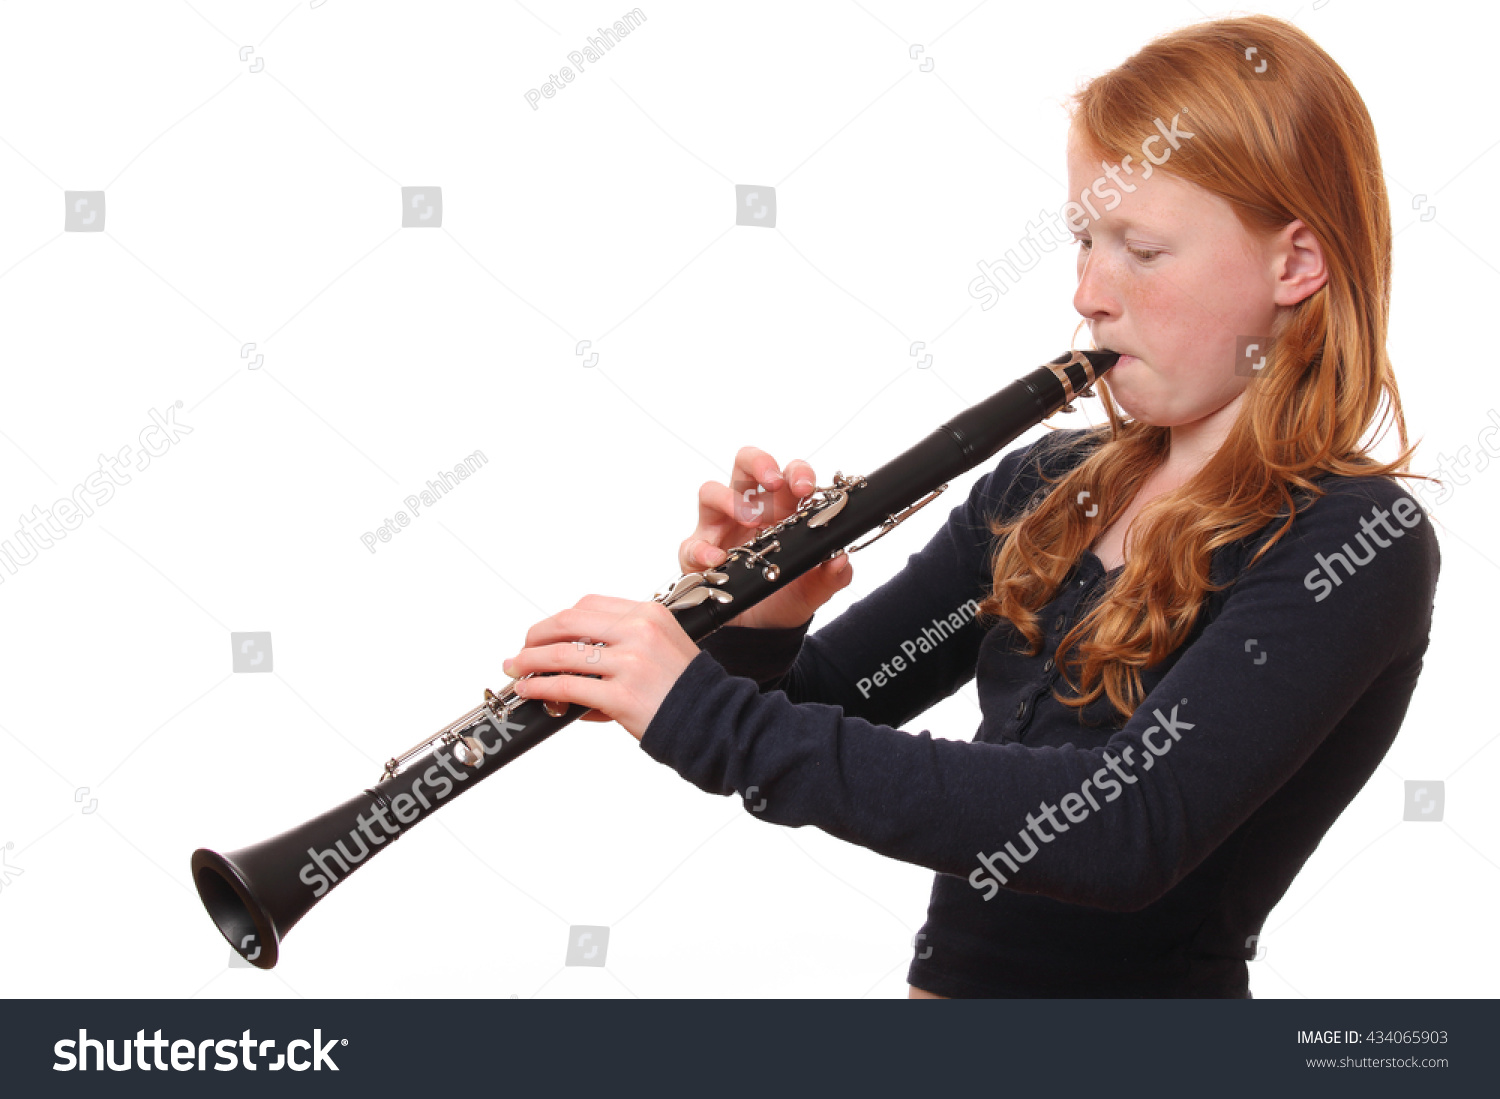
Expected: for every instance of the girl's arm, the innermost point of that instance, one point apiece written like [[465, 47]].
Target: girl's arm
[[1114, 826]]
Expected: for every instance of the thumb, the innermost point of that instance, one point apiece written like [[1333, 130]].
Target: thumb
[[834, 575]]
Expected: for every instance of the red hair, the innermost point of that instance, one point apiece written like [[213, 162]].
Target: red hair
[[1295, 143]]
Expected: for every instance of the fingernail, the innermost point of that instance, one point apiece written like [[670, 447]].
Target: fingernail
[[507, 666], [715, 555], [770, 476], [802, 485]]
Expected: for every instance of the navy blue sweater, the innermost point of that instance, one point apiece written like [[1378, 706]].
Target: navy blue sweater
[[1120, 856]]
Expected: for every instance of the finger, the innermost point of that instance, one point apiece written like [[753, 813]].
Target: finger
[[752, 462], [801, 477], [700, 553], [724, 511], [573, 689], [582, 656], [755, 469], [836, 573], [568, 624], [608, 603], [722, 508], [715, 510], [716, 525], [553, 643], [541, 629]]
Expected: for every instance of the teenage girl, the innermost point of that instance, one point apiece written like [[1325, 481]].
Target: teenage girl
[[1194, 630]]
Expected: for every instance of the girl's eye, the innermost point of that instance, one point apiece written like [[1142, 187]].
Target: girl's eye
[[1144, 255]]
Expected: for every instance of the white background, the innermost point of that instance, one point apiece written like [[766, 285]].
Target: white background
[[264, 207]]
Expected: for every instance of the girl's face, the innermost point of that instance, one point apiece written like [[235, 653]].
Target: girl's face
[[1171, 279]]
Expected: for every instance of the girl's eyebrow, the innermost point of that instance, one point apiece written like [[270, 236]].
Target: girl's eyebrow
[[1124, 224]]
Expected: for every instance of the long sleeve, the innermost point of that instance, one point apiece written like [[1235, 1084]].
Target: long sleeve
[[764, 655], [1309, 637]]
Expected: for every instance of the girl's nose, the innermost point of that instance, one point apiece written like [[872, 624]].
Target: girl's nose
[[1095, 297]]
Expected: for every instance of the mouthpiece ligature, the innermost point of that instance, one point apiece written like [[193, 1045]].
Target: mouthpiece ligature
[[1060, 369]]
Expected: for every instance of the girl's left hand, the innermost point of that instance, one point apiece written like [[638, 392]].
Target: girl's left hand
[[644, 652]]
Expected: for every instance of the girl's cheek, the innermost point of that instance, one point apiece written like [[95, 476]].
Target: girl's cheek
[[1154, 301]]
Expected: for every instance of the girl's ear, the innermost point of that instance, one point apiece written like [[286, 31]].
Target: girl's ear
[[1300, 269]]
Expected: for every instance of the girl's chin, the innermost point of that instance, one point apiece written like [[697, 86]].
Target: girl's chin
[[1130, 402]]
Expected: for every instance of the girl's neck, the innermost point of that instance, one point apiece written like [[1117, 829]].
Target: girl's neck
[[1190, 446]]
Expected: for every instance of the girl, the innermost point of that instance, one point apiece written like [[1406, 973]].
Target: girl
[[1194, 630]]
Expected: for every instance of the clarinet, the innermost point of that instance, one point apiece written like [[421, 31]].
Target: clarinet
[[256, 894]]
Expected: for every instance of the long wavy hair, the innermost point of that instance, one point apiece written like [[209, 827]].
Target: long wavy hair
[[1294, 143]]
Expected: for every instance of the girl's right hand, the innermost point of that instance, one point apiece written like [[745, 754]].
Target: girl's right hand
[[727, 519]]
